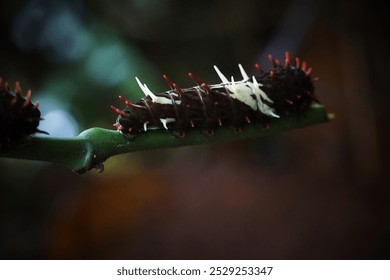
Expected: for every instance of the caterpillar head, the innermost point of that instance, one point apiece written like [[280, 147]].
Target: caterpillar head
[[127, 121], [290, 86]]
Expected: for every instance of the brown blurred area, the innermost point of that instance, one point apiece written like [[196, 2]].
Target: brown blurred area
[[316, 193]]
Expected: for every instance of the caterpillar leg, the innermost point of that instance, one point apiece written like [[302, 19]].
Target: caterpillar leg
[[179, 133]]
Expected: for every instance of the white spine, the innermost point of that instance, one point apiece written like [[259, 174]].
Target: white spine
[[243, 73], [221, 76], [155, 99]]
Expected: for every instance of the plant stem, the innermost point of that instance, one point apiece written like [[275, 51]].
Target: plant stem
[[93, 146]]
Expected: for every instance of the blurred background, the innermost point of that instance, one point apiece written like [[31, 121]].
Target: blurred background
[[316, 193]]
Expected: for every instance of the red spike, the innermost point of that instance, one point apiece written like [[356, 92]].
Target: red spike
[[18, 90], [206, 87], [14, 101], [270, 58], [115, 124], [288, 58], [178, 89], [316, 79], [172, 85], [118, 111], [36, 105], [248, 120], [194, 78], [304, 65], [192, 124], [272, 73], [199, 82], [257, 66], [219, 122], [289, 102], [277, 61], [308, 72], [297, 62], [298, 96], [169, 82], [28, 98], [127, 102]]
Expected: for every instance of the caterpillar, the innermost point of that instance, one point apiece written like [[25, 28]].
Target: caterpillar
[[285, 89], [18, 116]]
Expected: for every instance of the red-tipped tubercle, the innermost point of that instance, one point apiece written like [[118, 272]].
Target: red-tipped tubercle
[[297, 62], [118, 111], [194, 78], [271, 58], [258, 68], [172, 85], [127, 102], [178, 89], [18, 89], [304, 65], [288, 58], [28, 98], [199, 82], [14, 101], [169, 82]]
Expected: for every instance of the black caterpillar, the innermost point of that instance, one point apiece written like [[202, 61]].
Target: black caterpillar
[[286, 89], [18, 116]]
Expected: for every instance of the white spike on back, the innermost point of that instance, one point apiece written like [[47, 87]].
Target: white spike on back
[[243, 73], [259, 91], [141, 86], [220, 75], [150, 93], [233, 87]]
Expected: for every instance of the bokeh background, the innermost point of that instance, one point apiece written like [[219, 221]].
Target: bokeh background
[[316, 193]]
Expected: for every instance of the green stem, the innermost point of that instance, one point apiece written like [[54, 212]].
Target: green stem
[[93, 146]]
